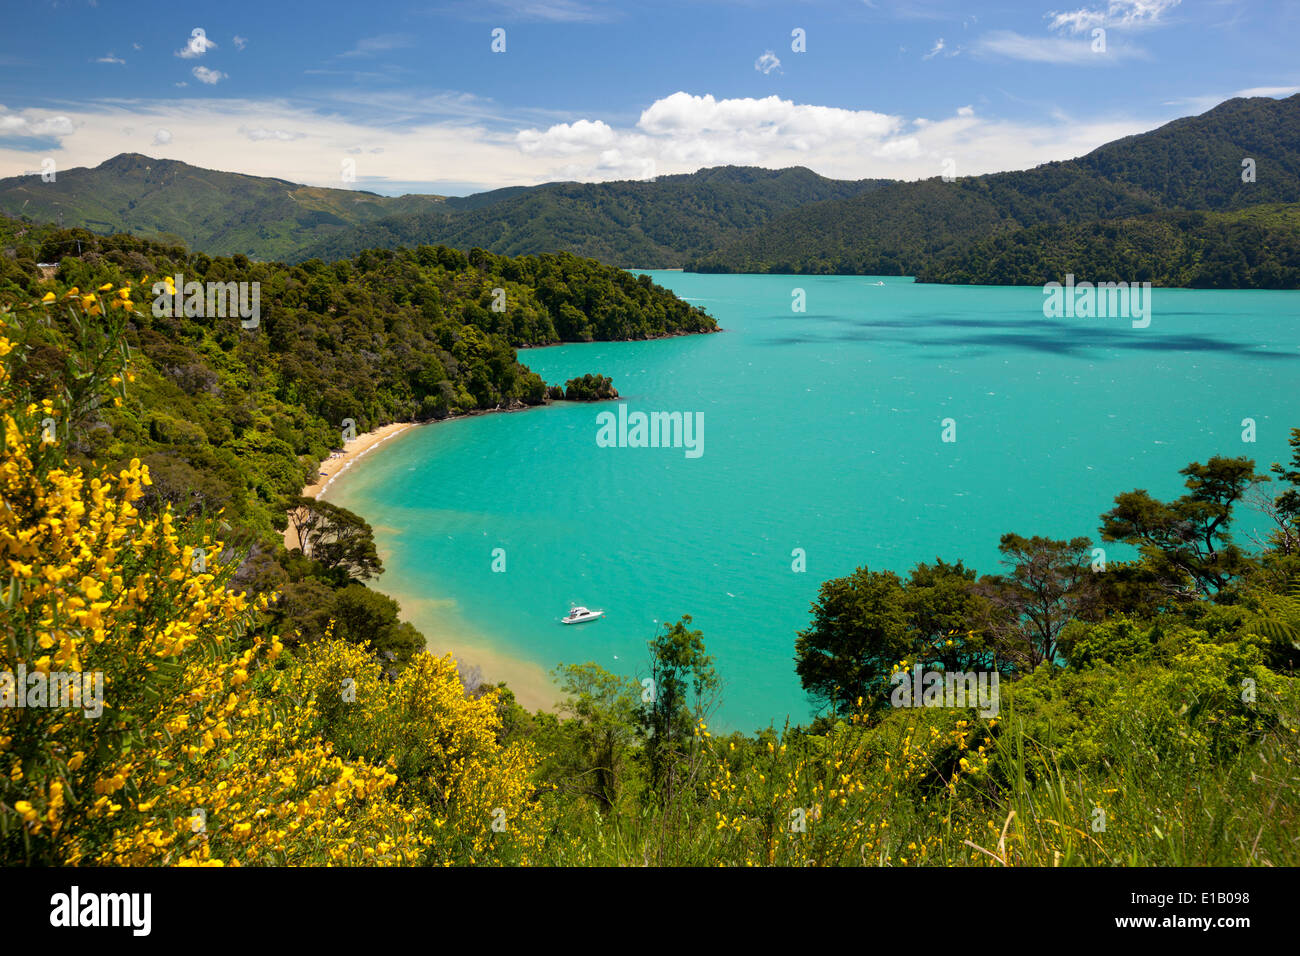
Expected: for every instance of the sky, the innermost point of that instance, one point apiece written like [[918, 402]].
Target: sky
[[459, 96]]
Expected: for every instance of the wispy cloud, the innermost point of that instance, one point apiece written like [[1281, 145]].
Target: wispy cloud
[[110, 58], [1117, 15], [1206, 101], [556, 11], [260, 133], [371, 46], [1051, 49], [934, 50], [767, 63], [1082, 37]]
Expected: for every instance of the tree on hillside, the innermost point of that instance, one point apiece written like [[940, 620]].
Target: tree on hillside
[[947, 615], [1049, 583], [867, 622], [602, 709], [858, 633], [682, 691], [1286, 506], [339, 539], [1187, 541], [366, 617]]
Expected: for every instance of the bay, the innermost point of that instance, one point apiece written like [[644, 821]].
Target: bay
[[822, 432]]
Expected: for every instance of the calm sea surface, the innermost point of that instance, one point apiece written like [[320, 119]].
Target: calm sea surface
[[822, 432]]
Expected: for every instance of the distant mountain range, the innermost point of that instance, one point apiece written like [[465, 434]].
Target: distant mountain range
[[1119, 207]]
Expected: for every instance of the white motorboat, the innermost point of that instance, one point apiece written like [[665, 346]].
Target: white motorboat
[[580, 615]]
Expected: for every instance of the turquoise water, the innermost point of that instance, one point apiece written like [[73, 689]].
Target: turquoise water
[[822, 431]]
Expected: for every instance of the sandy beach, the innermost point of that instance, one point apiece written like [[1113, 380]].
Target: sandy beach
[[529, 681], [342, 460]]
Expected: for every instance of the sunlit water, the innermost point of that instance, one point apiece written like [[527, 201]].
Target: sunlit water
[[822, 432]]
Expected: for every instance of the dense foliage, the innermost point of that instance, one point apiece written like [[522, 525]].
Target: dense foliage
[[1257, 248], [590, 388]]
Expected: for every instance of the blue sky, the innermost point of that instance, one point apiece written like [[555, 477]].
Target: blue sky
[[399, 96]]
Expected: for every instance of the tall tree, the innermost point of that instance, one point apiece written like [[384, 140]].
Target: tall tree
[[858, 633], [683, 689], [1187, 541], [1049, 583], [602, 709]]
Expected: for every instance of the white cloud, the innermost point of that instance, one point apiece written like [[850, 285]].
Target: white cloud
[[27, 124], [1199, 104], [1080, 37], [471, 140], [1273, 91], [210, 77], [682, 132], [556, 11], [767, 63], [565, 139], [197, 45], [935, 50], [1118, 15], [239, 42], [110, 58]]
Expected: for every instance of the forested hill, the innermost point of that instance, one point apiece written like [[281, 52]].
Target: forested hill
[[656, 223], [1253, 248], [217, 212], [238, 418], [902, 229], [635, 224]]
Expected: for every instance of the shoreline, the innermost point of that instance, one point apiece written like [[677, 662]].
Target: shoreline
[[527, 680]]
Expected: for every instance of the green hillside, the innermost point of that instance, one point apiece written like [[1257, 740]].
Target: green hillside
[[242, 417], [1190, 164], [647, 224], [220, 213], [1257, 248]]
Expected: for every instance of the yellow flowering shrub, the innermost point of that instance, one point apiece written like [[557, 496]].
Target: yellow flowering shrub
[[200, 745], [442, 747]]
